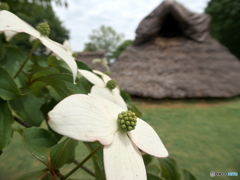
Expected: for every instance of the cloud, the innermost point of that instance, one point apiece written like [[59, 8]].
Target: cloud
[[81, 17]]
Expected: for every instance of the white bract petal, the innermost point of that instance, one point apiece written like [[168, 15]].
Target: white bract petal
[[67, 45], [118, 99], [113, 110], [93, 78], [85, 118], [105, 77], [122, 159], [109, 95], [147, 139], [10, 22]]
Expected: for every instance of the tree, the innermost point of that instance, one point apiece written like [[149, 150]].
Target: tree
[[103, 39], [121, 48], [225, 23]]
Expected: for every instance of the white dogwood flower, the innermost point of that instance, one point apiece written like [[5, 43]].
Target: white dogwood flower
[[102, 87], [10, 22], [92, 118]]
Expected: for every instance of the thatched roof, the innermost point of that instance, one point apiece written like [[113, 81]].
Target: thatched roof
[[88, 57], [173, 56]]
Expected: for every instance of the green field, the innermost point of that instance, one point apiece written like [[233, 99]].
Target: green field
[[202, 136]]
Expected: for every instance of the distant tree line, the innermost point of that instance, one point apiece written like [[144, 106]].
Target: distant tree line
[[225, 23], [108, 40]]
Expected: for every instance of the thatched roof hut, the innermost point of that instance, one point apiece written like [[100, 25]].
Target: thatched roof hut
[[88, 58], [173, 56]]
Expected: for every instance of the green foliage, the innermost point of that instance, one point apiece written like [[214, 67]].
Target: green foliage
[[27, 109], [188, 176], [130, 104], [225, 23], [6, 120], [42, 144], [103, 39], [8, 89], [90, 47], [165, 169], [169, 169], [121, 48]]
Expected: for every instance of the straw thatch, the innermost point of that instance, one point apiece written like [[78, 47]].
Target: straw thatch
[[173, 56], [88, 56]]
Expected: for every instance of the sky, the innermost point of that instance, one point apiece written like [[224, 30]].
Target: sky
[[82, 16]]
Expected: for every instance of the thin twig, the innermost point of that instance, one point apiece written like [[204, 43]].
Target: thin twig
[[22, 123], [35, 45], [81, 163], [85, 168]]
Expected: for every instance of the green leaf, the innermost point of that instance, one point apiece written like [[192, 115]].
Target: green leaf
[[169, 169], [3, 54], [27, 109], [42, 144], [58, 85], [134, 109], [39, 88], [82, 65], [15, 58], [130, 105], [8, 88], [6, 120], [43, 72], [147, 159], [43, 175], [153, 177], [188, 176], [81, 86], [126, 96], [153, 169], [58, 64], [38, 141], [63, 153]]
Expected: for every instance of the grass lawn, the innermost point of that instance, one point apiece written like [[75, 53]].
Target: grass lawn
[[202, 136]]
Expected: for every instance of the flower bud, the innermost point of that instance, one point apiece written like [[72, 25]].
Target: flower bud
[[111, 84], [127, 121], [4, 6], [43, 28]]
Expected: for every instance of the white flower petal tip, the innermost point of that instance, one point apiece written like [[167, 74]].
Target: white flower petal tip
[[10, 22], [105, 77], [122, 159], [68, 47], [85, 118], [9, 35], [146, 139], [93, 78]]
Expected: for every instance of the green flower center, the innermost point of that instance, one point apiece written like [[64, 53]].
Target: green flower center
[[111, 84], [4, 6], [43, 28], [127, 120]]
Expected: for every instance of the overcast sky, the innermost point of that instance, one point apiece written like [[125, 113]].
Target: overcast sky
[[82, 16]]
